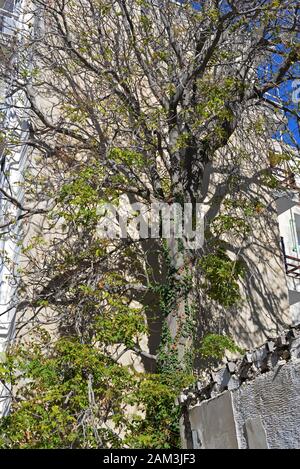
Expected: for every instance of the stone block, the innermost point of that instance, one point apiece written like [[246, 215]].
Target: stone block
[[260, 357], [182, 398], [225, 379], [233, 383], [215, 390], [231, 367], [214, 421], [221, 377], [248, 357], [272, 360], [295, 349], [270, 346], [256, 434], [196, 437], [282, 340], [199, 386]]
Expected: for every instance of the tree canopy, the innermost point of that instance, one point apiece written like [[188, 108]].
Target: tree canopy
[[163, 101]]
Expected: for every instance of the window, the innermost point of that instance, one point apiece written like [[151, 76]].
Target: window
[[7, 5], [297, 226], [6, 16]]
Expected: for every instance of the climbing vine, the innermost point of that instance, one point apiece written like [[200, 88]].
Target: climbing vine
[[221, 275]]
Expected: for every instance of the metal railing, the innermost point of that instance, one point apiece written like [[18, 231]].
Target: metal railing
[[292, 266], [292, 263]]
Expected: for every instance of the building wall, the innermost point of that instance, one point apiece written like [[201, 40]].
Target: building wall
[[271, 406], [259, 407], [264, 308], [13, 164], [289, 225], [262, 414]]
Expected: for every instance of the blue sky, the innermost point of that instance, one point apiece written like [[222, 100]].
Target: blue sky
[[285, 94], [285, 91]]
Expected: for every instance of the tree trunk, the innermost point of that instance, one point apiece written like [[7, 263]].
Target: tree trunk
[[176, 350]]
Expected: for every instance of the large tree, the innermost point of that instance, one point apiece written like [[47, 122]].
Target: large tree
[[159, 101]]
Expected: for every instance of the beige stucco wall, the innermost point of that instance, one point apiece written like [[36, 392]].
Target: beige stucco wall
[[264, 309]]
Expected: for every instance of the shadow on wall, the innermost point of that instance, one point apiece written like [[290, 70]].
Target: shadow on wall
[[263, 311], [264, 308]]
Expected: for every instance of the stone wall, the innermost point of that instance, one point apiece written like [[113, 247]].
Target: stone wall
[[251, 403]]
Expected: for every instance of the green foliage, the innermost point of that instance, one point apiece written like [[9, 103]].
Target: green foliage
[[160, 427], [276, 158], [167, 356], [214, 97], [270, 180], [249, 208], [80, 198], [236, 218], [221, 277], [120, 323], [155, 96], [175, 290], [76, 114], [53, 406], [71, 392], [127, 157], [215, 346], [225, 223], [168, 291]]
